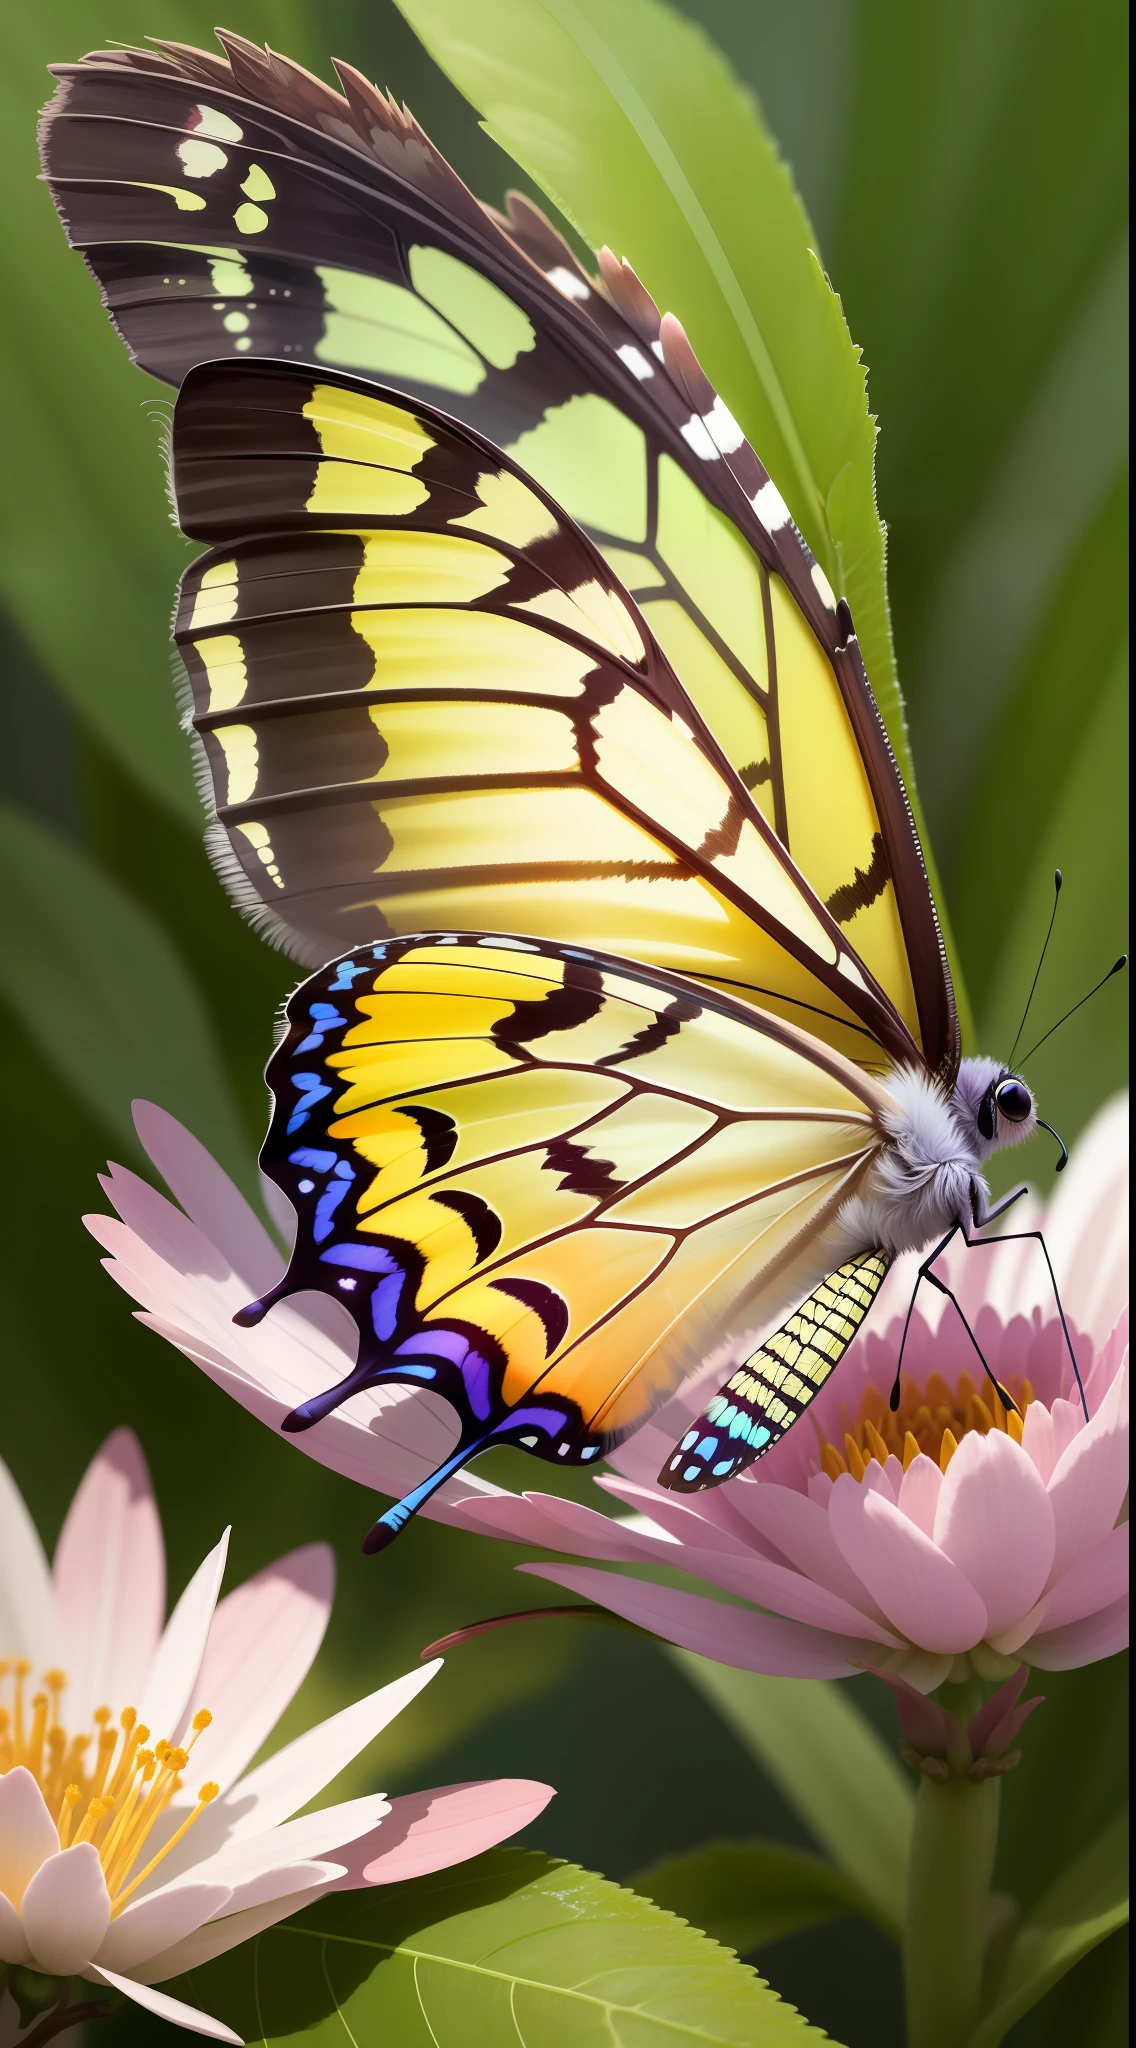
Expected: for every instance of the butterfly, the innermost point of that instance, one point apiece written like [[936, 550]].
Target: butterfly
[[520, 698]]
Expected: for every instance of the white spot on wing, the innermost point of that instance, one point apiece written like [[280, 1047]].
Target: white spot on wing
[[201, 159], [723, 428], [210, 121], [770, 507], [823, 587], [566, 281], [696, 436], [634, 360]]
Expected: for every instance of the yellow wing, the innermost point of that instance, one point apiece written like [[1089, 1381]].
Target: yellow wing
[[538, 1178], [425, 699]]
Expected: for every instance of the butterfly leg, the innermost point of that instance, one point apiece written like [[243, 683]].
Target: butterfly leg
[[924, 1273], [927, 1273], [980, 1244]]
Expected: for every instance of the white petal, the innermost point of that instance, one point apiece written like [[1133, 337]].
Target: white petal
[[66, 1910], [167, 2008], [217, 1937], [177, 1661], [28, 1624], [28, 1835], [245, 1859], [296, 1773], [147, 1926], [110, 1580], [261, 1645], [13, 1942]]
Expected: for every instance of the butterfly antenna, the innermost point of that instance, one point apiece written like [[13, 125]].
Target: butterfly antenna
[[1116, 968], [1040, 965]]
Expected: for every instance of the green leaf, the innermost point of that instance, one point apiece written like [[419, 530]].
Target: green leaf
[[1067, 808], [1087, 1903], [88, 557], [748, 1894], [827, 1759], [511, 1947], [104, 994], [632, 122]]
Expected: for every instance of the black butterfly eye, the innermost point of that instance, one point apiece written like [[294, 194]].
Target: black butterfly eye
[[986, 1115], [1014, 1101]]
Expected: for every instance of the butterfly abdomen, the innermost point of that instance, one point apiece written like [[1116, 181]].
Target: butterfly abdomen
[[771, 1389]]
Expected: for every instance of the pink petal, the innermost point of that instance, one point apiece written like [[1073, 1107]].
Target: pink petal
[[1087, 1223], [995, 1521], [110, 1580], [530, 1518], [165, 2007], [66, 1910], [800, 1529], [28, 1623], [1037, 1440], [13, 1941], [177, 1659], [697, 1519], [147, 1926], [1097, 1579], [751, 1576], [261, 1646], [1090, 1479], [431, 1830], [1081, 1642], [731, 1635], [922, 1593], [28, 1834], [208, 1196], [919, 1493]]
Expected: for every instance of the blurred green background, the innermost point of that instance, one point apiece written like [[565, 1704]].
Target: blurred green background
[[964, 165]]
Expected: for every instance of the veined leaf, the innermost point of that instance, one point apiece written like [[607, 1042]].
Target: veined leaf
[[632, 122], [830, 1763], [511, 1947], [105, 996], [1088, 1901], [748, 1894]]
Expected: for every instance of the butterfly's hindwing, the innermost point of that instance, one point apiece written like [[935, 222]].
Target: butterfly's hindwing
[[770, 1390], [534, 1177]]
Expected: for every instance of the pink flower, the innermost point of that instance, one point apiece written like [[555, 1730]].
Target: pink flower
[[135, 1842], [948, 1539], [191, 1268]]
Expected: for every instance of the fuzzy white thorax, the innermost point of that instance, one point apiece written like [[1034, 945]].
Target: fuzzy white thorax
[[928, 1172]]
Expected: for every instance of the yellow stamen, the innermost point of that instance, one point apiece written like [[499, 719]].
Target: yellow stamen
[[910, 1451], [857, 1464], [876, 1444], [103, 1784], [832, 1462], [207, 1793], [69, 1802], [947, 1449], [1015, 1426]]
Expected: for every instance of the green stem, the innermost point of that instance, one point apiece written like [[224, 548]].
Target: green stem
[[948, 1895]]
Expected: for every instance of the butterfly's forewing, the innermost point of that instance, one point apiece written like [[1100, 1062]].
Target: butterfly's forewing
[[535, 1177], [425, 700], [239, 206]]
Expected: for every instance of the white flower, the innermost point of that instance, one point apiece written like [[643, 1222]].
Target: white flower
[[135, 1843]]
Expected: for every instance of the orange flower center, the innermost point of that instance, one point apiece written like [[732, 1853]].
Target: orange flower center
[[932, 1419], [104, 1784]]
